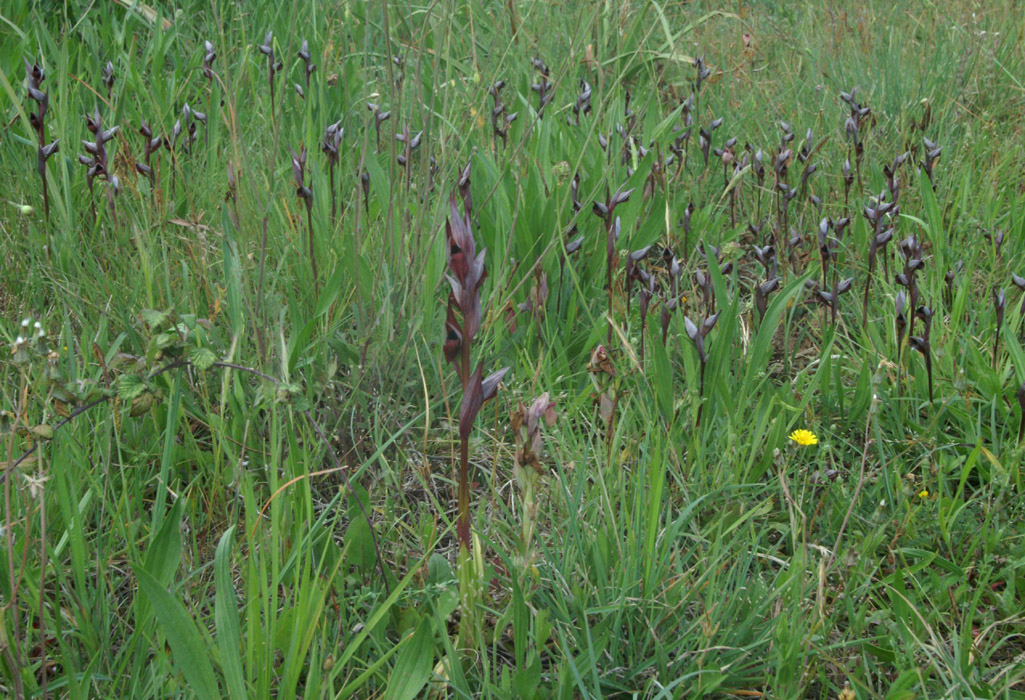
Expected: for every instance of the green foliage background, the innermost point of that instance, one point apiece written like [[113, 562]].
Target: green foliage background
[[192, 535]]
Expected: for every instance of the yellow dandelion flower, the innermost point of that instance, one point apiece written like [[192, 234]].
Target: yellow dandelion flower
[[923, 494], [804, 437]]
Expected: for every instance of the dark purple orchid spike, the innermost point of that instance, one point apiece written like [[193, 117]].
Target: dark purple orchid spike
[[669, 305], [1021, 409], [704, 284], [329, 145], [657, 175], [999, 305], [787, 135], [810, 170], [925, 315], [304, 54], [848, 180], [697, 335], [766, 256], [781, 164], [184, 132], [44, 150], [537, 300], [526, 423], [467, 273], [858, 118], [542, 87], [932, 154], [911, 250], [997, 240], [806, 146], [877, 241], [900, 320], [727, 155], [209, 56], [704, 143], [464, 187], [644, 298], [108, 79], [781, 169], [303, 192], [755, 231], [684, 131], [688, 214], [274, 65], [762, 292], [922, 344], [400, 63], [1019, 282], [364, 179], [170, 144], [151, 145], [675, 274], [583, 103], [571, 243], [950, 277], [633, 272], [379, 118], [832, 298], [96, 161], [825, 249], [410, 142], [793, 242], [703, 72], [606, 210], [630, 142], [432, 172], [500, 120]]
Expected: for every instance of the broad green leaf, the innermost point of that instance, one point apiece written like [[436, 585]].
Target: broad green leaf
[[226, 619], [188, 649], [202, 358], [413, 667], [153, 319], [129, 386]]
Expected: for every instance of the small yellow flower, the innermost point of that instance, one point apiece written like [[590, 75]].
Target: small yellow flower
[[804, 437], [923, 494]]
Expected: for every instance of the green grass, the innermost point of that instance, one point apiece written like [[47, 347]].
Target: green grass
[[256, 438]]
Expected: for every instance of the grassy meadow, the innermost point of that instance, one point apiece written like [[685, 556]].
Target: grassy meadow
[[512, 349]]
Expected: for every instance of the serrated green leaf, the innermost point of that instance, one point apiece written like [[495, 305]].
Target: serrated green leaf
[[42, 431], [130, 386], [142, 404], [165, 339], [202, 358], [153, 319]]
